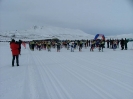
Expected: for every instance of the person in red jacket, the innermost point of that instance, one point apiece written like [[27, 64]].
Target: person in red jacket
[[15, 52]]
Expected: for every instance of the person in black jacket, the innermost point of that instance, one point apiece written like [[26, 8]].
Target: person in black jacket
[[122, 44], [58, 46], [20, 42], [125, 43], [107, 43]]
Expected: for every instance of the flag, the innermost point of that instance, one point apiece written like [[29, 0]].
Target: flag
[[23, 43]]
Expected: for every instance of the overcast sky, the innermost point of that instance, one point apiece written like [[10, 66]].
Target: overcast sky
[[91, 16]]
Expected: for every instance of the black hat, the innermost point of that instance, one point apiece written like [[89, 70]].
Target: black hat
[[13, 40]]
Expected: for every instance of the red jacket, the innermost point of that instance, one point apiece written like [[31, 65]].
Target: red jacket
[[14, 48]]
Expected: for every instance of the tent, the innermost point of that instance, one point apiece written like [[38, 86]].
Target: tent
[[99, 35]]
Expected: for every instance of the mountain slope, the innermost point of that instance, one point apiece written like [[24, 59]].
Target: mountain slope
[[48, 32]]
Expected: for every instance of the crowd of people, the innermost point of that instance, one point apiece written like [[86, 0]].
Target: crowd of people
[[78, 44], [67, 44]]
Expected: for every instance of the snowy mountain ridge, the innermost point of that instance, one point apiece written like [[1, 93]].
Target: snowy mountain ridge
[[46, 32], [50, 32]]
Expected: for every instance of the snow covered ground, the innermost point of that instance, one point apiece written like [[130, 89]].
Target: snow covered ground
[[67, 75]]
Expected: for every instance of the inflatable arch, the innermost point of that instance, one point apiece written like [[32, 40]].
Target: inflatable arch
[[99, 35]]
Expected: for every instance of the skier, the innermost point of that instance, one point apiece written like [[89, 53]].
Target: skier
[[32, 44], [107, 43], [58, 46], [125, 43], [89, 43], [118, 43], [92, 45], [49, 46], [111, 43], [68, 45], [114, 45], [72, 46], [44, 45], [122, 44], [80, 45], [39, 46], [101, 46], [75, 44]]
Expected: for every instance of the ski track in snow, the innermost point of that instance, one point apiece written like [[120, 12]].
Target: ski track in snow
[[54, 82], [68, 75], [34, 82]]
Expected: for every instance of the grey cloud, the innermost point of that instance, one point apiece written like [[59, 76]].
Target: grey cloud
[[91, 16]]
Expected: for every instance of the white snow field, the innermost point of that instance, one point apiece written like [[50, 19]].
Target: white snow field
[[67, 75]]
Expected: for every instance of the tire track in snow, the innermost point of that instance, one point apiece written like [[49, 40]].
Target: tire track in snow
[[60, 90]]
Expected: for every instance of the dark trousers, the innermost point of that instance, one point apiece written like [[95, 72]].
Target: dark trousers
[[107, 45], [17, 59], [33, 47], [122, 47], [19, 50]]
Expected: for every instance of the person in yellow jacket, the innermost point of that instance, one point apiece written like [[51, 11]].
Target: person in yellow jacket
[[92, 45], [49, 46], [101, 46]]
